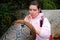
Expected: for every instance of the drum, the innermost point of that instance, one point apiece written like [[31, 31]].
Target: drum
[[20, 31]]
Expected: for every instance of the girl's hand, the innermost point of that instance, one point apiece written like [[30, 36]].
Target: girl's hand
[[27, 18], [37, 30]]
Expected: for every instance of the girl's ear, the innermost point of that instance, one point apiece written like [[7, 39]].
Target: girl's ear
[[39, 10]]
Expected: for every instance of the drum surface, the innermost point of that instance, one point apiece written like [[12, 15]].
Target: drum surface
[[20, 31]]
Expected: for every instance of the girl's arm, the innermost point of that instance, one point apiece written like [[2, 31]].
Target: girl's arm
[[45, 31]]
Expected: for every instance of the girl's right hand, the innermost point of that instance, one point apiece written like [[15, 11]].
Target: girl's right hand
[[27, 18]]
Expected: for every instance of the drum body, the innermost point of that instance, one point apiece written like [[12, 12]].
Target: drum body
[[20, 31]]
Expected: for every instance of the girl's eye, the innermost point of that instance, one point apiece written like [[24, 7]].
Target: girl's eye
[[34, 9], [30, 9]]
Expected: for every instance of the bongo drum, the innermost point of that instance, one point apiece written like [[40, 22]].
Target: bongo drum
[[20, 31]]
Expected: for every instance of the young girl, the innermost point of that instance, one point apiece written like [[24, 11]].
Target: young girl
[[40, 23]]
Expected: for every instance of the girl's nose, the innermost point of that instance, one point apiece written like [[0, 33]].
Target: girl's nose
[[32, 11]]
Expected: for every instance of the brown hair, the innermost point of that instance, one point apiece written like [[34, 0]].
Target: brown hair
[[35, 3]]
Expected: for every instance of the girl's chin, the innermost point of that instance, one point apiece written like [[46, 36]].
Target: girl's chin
[[33, 16]]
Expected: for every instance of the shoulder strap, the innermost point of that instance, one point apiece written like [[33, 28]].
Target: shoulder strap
[[41, 21]]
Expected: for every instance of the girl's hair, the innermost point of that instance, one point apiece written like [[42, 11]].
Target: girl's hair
[[35, 3]]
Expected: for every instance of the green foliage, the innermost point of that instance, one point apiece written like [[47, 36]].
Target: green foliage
[[6, 16], [48, 4], [57, 3], [7, 7], [5, 22]]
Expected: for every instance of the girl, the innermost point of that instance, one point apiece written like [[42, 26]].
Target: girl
[[40, 23]]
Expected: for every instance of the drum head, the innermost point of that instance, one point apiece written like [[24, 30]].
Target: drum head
[[20, 31]]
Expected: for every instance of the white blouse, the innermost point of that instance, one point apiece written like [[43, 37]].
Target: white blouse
[[45, 30]]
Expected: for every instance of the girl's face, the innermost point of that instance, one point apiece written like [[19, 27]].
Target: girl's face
[[33, 10]]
